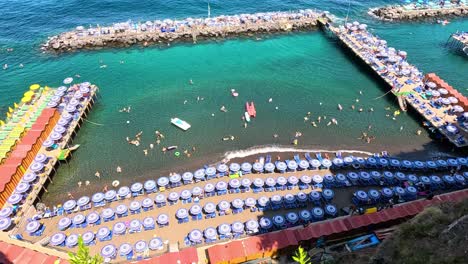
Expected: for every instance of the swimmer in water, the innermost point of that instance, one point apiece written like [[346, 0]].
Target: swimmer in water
[[190, 82]]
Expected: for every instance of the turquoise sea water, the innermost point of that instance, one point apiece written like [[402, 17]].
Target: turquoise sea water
[[297, 70]]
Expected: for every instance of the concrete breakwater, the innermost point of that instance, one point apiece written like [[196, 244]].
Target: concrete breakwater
[[415, 12], [167, 31]]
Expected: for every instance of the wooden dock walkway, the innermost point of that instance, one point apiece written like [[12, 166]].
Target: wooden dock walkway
[[406, 81], [459, 41], [27, 209]]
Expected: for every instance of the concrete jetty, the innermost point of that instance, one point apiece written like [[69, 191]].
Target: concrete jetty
[[443, 108], [190, 29], [416, 11]]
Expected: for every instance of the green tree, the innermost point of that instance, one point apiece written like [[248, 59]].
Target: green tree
[[301, 257], [82, 255]]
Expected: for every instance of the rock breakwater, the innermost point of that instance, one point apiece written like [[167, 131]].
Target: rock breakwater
[[190, 29], [414, 12]]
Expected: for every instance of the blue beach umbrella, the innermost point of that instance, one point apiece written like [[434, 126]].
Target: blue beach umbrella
[[413, 178], [372, 161], [245, 182], [303, 164], [331, 210], [210, 171], [317, 213], [269, 167], [352, 176], [338, 162], [5, 223], [150, 186], [292, 217], [462, 161], [278, 220], [341, 178], [281, 166], [305, 215], [383, 162], [425, 180], [123, 191], [431, 164], [364, 175], [387, 192], [187, 176], [328, 194], [234, 167], [301, 197], [348, 160], [419, 164], [266, 223], [292, 165], [246, 167], [314, 196], [400, 176], [163, 219], [374, 194], [452, 162], [199, 174], [399, 191], [222, 168], [258, 167]]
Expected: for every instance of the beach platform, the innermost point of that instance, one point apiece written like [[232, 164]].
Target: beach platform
[[415, 10], [228, 202], [439, 108], [190, 29], [459, 41], [30, 166]]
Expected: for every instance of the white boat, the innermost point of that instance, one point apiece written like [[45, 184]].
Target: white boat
[[180, 123], [247, 116]]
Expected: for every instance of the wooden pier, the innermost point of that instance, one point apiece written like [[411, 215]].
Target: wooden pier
[[187, 30], [459, 41], [38, 135], [406, 81]]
